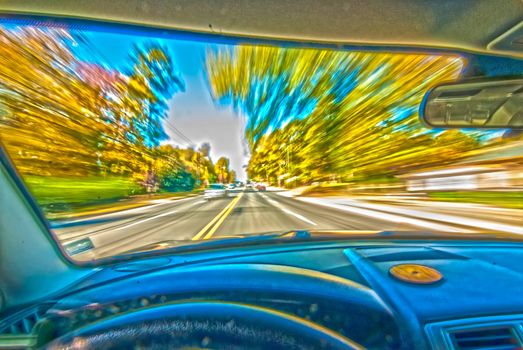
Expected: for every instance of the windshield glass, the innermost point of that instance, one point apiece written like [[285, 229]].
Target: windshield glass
[[117, 134]]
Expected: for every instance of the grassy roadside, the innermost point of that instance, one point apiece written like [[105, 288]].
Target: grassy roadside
[[62, 198], [107, 207], [54, 192], [513, 200], [341, 189]]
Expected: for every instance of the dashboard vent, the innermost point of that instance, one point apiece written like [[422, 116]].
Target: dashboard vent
[[22, 323], [481, 333], [499, 338]]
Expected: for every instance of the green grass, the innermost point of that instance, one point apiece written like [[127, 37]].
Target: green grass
[[501, 199], [376, 180], [65, 197], [56, 194]]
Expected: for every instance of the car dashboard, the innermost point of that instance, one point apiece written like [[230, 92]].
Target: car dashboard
[[345, 287]]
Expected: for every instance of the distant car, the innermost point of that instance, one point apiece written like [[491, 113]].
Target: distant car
[[261, 187], [215, 191], [231, 186]]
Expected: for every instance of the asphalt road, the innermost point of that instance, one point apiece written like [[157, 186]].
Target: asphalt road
[[195, 218], [245, 213]]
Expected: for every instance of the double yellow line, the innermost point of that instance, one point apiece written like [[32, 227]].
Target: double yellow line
[[212, 226]]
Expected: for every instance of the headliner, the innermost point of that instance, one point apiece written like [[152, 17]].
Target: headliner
[[471, 25]]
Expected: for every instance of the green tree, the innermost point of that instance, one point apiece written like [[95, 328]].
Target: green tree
[[63, 118], [153, 80], [232, 176], [205, 149], [221, 168], [317, 114], [51, 123]]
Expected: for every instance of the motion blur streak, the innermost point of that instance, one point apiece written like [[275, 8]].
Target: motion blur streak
[[333, 115], [388, 217], [329, 140]]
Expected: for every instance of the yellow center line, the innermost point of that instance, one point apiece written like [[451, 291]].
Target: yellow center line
[[224, 213], [215, 227]]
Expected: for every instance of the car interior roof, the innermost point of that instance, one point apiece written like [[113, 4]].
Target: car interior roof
[[484, 26]]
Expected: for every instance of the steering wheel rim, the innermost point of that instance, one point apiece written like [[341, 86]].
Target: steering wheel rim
[[243, 323], [245, 283]]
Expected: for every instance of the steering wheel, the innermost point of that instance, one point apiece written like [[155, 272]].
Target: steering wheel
[[184, 320], [195, 325]]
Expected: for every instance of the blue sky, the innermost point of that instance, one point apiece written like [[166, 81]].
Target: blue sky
[[192, 112]]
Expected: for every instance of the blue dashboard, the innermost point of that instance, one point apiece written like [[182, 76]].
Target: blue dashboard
[[344, 286]]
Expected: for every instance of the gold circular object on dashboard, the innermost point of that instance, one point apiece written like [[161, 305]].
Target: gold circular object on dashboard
[[414, 273]]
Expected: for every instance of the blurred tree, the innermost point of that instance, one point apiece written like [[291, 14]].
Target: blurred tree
[[61, 117], [221, 168], [175, 165], [317, 115], [66, 122], [232, 176], [177, 179], [205, 149], [152, 81], [51, 122]]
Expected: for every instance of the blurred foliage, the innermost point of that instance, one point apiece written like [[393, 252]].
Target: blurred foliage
[[57, 193], [508, 199], [66, 122], [176, 180], [315, 115], [221, 168], [75, 129]]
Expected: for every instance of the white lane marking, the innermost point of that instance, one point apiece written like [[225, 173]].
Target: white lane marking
[[285, 194], [285, 210], [460, 220], [385, 216], [160, 215], [69, 237], [301, 217], [163, 200], [173, 201], [145, 220], [273, 202]]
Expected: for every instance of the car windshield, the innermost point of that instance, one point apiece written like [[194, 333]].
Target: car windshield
[[117, 133]]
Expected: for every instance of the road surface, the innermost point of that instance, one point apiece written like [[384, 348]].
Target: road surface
[[194, 219]]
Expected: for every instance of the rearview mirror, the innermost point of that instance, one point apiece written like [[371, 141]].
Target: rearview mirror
[[493, 104]]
